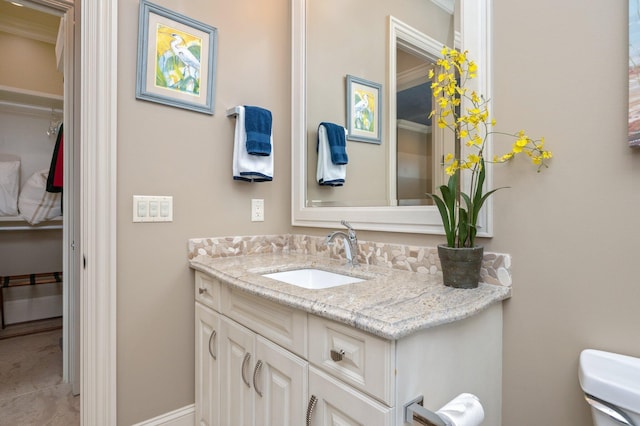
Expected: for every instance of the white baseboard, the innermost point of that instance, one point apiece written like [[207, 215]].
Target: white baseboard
[[185, 416], [21, 310]]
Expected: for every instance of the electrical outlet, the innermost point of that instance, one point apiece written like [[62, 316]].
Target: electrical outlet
[[257, 210]]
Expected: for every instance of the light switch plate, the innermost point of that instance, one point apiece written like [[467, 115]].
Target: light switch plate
[[152, 208]]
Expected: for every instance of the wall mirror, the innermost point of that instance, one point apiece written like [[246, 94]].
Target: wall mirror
[[394, 44]]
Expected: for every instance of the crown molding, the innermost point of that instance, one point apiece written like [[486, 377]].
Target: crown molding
[[28, 29]]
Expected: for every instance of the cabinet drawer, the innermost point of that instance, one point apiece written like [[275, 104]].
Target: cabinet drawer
[[208, 290], [281, 324], [360, 359]]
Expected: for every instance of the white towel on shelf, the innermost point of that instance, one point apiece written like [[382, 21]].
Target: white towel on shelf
[[251, 168], [9, 186], [327, 173], [463, 410]]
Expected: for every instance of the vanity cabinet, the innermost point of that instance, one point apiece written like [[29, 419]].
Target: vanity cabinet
[[259, 362], [261, 383], [242, 378], [207, 387]]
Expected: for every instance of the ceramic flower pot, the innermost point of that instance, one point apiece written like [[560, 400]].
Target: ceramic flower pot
[[460, 266]]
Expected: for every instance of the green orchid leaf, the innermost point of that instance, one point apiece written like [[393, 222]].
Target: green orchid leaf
[[442, 208], [463, 229]]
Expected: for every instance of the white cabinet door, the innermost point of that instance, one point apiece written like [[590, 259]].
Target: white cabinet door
[[207, 371], [280, 385], [237, 357], [340, 405]]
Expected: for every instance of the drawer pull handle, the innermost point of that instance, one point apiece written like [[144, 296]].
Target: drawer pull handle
[[212, 339], [202, 290], [256, 371], [312, 404], [246, 359], [337, 355]]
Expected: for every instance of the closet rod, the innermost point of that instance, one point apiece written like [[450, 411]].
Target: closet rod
[[27, 107], [30, 228]]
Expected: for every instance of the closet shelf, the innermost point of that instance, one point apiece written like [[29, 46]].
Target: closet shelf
[[21, 99], [17, 223]]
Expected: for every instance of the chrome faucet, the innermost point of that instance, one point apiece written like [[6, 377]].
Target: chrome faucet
[[350, 242]]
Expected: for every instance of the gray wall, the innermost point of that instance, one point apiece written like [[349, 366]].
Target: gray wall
[[170, 151], [559, 71]]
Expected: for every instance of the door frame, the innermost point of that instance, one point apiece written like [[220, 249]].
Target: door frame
[[91, 108], [98, 145]]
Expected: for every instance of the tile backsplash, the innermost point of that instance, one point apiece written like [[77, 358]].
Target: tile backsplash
[[496, 267]]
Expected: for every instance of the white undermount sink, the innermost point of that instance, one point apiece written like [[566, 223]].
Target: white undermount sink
[[314, 279]]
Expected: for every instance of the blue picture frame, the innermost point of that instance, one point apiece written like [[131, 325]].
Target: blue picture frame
[[364, 110], [176, 59]]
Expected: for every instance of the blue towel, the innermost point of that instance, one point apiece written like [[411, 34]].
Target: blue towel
[[328, 173], [337, 143], [257, 123], [250, 168]]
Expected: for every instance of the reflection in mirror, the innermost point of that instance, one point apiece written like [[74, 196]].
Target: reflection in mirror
[[358, 47], [391, 43], [415, 161]]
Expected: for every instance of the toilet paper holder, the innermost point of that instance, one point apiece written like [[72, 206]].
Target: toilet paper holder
[[414, 410]]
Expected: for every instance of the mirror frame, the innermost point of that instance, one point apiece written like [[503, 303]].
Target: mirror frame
[[475, 23]]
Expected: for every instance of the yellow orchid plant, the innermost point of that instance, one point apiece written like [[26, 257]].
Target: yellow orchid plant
[[466, 113]]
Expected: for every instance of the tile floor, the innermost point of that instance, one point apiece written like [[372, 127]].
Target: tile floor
[[31, 388]]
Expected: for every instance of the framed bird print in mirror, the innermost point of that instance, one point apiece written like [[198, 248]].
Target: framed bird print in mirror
[[176, 59], [364, 109]]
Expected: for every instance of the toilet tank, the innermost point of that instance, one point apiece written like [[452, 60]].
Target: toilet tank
[[614, 381]]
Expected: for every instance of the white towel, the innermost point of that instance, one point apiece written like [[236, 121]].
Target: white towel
[[463, 410], [327, 173], [9, 187], [252, 168]]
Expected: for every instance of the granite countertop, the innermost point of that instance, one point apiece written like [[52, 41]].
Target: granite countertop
[[390, 303]]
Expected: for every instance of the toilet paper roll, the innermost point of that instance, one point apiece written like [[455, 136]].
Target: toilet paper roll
[[463, 410]]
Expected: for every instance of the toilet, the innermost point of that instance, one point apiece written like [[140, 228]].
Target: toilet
[[611, 385]]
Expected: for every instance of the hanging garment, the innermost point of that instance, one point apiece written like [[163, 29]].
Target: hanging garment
[[56, 170]]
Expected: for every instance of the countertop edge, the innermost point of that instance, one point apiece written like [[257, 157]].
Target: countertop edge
[[379, 327]]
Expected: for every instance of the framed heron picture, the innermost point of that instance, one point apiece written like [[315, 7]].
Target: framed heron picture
[[176, 59], [364, 109], [634, 73]]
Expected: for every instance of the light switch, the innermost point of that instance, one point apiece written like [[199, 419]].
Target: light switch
[[142, 207], [165, 208], [152, 208]]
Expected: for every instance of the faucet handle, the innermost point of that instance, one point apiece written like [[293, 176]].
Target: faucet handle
[[352, 231], [348, 226]]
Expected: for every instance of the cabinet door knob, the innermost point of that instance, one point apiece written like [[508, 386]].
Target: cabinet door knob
[[337, 355], [202, 290], [312, 404], [212, 340], [256, 371], [246, 359]]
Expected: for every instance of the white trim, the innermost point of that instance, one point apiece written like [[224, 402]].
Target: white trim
[[412, 126], [98, 102], [446, 5], [418, 44], [414, 219], [185, 416], [412, 77]]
